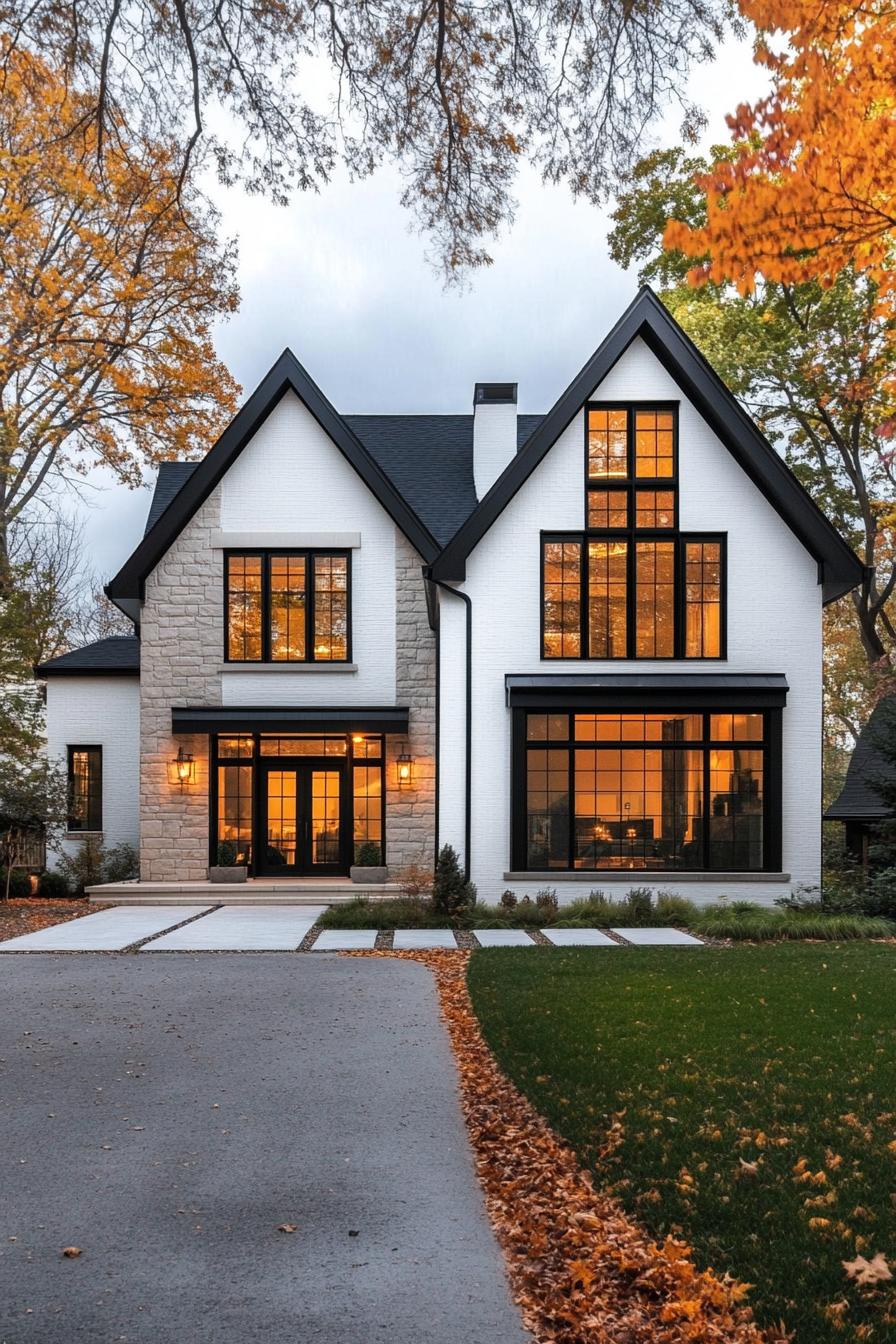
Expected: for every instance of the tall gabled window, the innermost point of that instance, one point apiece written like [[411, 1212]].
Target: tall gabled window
[[632, 585], [85, 788], [288, 607]]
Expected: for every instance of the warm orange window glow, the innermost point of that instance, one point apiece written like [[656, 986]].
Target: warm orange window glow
[[607, 562], [607, 443], [287, 608], [655, 599], [703, 599], [654, 444], [330, 608], [244, 605], [654, 508], [562, 599], [607, 508]]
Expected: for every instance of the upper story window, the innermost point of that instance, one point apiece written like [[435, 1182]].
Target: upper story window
[[632, 585], [85, 788], [288, 607]]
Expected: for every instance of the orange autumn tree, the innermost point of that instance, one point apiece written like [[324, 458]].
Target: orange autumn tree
[[812, 187], [110, 281]]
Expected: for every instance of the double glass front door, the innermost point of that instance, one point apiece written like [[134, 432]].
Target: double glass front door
[[301, 816]]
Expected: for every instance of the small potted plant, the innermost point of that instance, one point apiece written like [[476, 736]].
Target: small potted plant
[[369, 867], [227, 869]]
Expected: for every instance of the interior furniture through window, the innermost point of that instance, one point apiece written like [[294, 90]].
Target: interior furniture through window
[[663, 791]]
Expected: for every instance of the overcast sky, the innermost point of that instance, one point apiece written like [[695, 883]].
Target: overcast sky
[[341, 280]]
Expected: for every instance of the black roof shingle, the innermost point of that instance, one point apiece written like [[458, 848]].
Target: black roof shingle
[[117, 655], [858, 800], [428, 458]]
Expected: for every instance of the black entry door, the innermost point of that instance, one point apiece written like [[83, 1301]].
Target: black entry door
[[301, 820]]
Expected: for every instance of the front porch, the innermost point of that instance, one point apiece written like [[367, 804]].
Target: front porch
[[255, 891]]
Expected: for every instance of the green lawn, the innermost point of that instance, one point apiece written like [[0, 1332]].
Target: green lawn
[[756, 1094]]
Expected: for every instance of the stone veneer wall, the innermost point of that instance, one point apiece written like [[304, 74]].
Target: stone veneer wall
[[411, 813], [182, 638]]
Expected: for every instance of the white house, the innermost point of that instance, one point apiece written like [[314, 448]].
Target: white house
[[584, 648]]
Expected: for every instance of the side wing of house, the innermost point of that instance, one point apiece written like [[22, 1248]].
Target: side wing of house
[[286, 654], [93, 734], [643, 588]]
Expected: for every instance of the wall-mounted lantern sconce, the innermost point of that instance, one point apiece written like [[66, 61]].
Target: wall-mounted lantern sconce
[[405, 771], [182, 770]]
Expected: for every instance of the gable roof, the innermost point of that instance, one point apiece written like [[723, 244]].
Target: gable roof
[[858, 800], [428, 458], [286, 375], [116, 656], [839, 568]]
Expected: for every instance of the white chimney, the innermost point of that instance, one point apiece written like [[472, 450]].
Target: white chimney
[[494, 432]]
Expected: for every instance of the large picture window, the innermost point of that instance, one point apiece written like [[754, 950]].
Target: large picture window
[[85, 788], [288, 607], [632, 585], [651, 791]]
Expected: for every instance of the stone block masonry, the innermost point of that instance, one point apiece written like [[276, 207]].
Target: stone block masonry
[[410, 813], [182, 636]]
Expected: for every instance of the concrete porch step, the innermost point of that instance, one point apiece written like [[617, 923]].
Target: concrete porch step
[[327, 891]]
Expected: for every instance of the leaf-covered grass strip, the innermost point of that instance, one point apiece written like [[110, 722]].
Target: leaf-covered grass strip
[[743, 1099]]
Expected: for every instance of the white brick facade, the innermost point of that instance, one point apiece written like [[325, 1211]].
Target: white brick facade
[[100, 712]]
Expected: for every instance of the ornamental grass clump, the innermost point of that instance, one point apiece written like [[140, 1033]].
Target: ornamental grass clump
[[746, 922]]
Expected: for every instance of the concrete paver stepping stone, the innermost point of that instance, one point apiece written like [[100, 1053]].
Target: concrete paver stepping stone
[[503, 938], [345, 940], [659, 937], [242, 928], [578, 938], [106, 931], [407, 940]]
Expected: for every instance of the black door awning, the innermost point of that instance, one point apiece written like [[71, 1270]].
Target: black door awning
[[288, 719], [647, 691]]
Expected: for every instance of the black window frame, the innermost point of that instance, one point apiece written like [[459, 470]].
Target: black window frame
[[772, 765], [632, 534], [309, 555], [95, 790]]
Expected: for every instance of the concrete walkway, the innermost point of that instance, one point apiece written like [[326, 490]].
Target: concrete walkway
[[167, 1113]]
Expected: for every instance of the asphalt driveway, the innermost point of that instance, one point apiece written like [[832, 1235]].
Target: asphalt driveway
[[167, 1114]]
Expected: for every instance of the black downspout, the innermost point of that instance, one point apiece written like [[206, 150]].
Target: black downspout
[[468, 736]]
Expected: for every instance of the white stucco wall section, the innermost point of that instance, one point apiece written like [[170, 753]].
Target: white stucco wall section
[[774, 625], [291, 479], [100, 712]]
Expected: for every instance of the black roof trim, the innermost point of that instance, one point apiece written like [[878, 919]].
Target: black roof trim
[[286, 375], [285, 719], [858, 800], [646, 691], [115, 656], [840, 568]]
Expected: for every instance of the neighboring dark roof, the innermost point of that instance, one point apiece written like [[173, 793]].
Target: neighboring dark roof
[[116, 656], [631, 690], [428, 458], [857, 800], [286, 375], [276, 719], [172, 475], [839, 568]]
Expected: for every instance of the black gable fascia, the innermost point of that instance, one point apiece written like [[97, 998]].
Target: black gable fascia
[[839, 568], [285, 376]]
